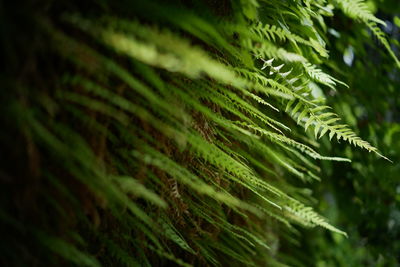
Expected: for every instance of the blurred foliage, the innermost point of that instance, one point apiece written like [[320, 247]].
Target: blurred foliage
[[180, 133]]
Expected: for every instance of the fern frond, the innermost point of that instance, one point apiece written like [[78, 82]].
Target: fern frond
[[283, 139], [66, 250], [380, 35], [306, 216], [169, 256], [172, 233], [275, 33], [320, 76], [357, 9], [323, 122]]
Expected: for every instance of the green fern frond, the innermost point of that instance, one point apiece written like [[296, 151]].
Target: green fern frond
[[274, 33], [380, 35], [320, 76], [283, 139], [305, 215], [67, 251], [357, 9], [311, 113], [169, 256]]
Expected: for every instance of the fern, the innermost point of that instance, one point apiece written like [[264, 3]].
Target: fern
[[382, 38], [308, 217], [171, 133], [357, 9], [274, 33], [320, 76], [311, 113]]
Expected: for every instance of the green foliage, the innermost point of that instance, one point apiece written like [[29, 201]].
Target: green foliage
[[152, 133]]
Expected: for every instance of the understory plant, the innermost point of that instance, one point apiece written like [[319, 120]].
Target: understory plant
[[170, 133]]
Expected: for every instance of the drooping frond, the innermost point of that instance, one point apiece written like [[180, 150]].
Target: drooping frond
[[357, 9], [380, 35], [276, 34], [309, 113], [319, 76]]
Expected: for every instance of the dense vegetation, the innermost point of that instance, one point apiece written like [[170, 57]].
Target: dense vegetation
[[205, 133]]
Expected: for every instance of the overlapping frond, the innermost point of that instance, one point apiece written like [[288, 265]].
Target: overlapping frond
[[358, 10]]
